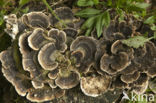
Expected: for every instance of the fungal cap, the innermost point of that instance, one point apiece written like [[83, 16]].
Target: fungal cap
[[59, 37], [44, 94], [109, 31], [64, 13], [67, 81], [114, 64], [140, 89], [37, 85], [53, 74], [23, 44], [87, 47], [70, 32], [36, 19], [11, 73], [95, 86], [47, 56], [130, 78], [36, 40]]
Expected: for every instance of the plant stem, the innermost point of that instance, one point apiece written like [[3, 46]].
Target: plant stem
[[59, 2], [150, 38], [53, 13]]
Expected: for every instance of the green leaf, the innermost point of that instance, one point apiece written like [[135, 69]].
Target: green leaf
[[25, 10], [136, 15], [99, 25], [96, 2], [88, 31], [106, 18], [121, 15], [85, 3], [103, 3], [1, 21], [153, 27], [136, 41], [88, 12], [150, 20], [1, 2], [23, 2], [137, 6], [120, 3], [142, 5], [89, 22], [155, 35], [109, 2]]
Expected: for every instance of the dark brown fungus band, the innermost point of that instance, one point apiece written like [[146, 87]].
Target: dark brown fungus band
[[29, 65], [105, 63], [47, 56], [59, 37], [44, 94], [141, 80], [117, 83], [11, 73], [36, 19], [67, 80], [109, 31], [150, 47], [79, 55], [85, 47], [121, 61], [53, 74], [37, 84], [117, 47], [146, 29], [114, 64], [130, 78], [102, 46], [117, 31], [70, 32], [152, 71], [95, 86], [132, 68], [147, 60], [150, 56], [118, 36], [119, 58], [71, 35], [133, 21], [21, 26], [140, 85], [125, 29], [36, 40], [28, 60], [23, 44], [140, 89], [140, 52], [52, 84], [65, 14]]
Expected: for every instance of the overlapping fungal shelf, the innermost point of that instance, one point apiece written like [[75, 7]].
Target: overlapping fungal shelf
[[54, 60]]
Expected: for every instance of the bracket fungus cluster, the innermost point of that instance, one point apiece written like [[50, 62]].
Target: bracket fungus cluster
[[130, 68], [55, 60]]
